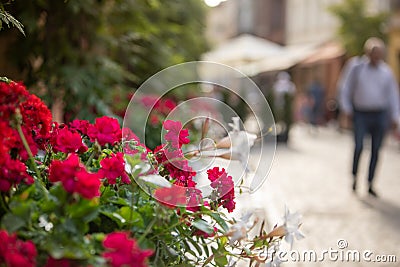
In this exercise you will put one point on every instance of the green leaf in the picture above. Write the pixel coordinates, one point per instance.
(217, 217)
(132, 217)
(12, 222)
(195, 245)
(8, 19)
(5, 79)
(206, 248)
(106, 194)
(85, 210)
(147, 244)
(119, 201)
(203, 226)
(59, 193)
(188, 248)
(221, 260)
(22, 209)
(115, 217)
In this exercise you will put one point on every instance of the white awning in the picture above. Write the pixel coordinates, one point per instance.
(253, 55)
(243, 50)
(288, 58)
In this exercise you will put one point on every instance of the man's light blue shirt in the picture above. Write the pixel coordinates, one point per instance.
(370, 88)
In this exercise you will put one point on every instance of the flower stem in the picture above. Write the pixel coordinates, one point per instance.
(28, 150)
(167, 229)
(131, 208)
(3, 203)
(32, 159)
(147, 231)
(90, 158)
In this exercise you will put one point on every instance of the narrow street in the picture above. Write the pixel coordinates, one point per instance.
(311, 175)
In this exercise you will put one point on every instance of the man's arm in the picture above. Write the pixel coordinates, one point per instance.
(347, 88)
(394, 100)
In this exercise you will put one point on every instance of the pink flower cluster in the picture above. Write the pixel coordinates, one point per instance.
(176, 136)
(159, 107)
(171, 157)
(26, 121)
(71, 172)
(18, 107)
(124, 251)
(224, 186)
(15, 252)
(176, 168)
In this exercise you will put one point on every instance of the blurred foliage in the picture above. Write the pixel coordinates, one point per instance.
(356, 25)
(89, 55)
(8, 19)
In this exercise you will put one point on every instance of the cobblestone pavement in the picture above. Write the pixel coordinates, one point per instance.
(311, 175)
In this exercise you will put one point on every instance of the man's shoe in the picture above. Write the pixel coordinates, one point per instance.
(354, 187)
(372, 192)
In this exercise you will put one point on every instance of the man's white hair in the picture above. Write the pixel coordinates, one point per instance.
(373, 43)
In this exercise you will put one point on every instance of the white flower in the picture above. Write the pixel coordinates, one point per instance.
(242, 141)
(239, 144)
(235, 125)
(291, 225)
(44, 223)
(239, 230)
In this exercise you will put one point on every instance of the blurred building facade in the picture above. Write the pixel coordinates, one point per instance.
(393, 52)
(285, 22)
(293, 24)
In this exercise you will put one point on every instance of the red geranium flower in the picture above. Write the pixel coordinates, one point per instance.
(80, 125)
(172, 196)
(176, 135)
(12, 172)
(204, 234)
(64, 140)
(15, 143)
(106, 130)
(11, 95)
(214, 173)
(224, 186)
(150, 101)
(7, 139)
(15, 252)
(128, 135)
(166, 106)
(114, 167)
(88, 184)
(228, 201)
(36, 116)
(124, 251)
(195, 199)
(74, 177)
(154, 120)
(58, 263)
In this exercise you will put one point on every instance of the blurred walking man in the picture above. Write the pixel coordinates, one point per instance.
(370, 96)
